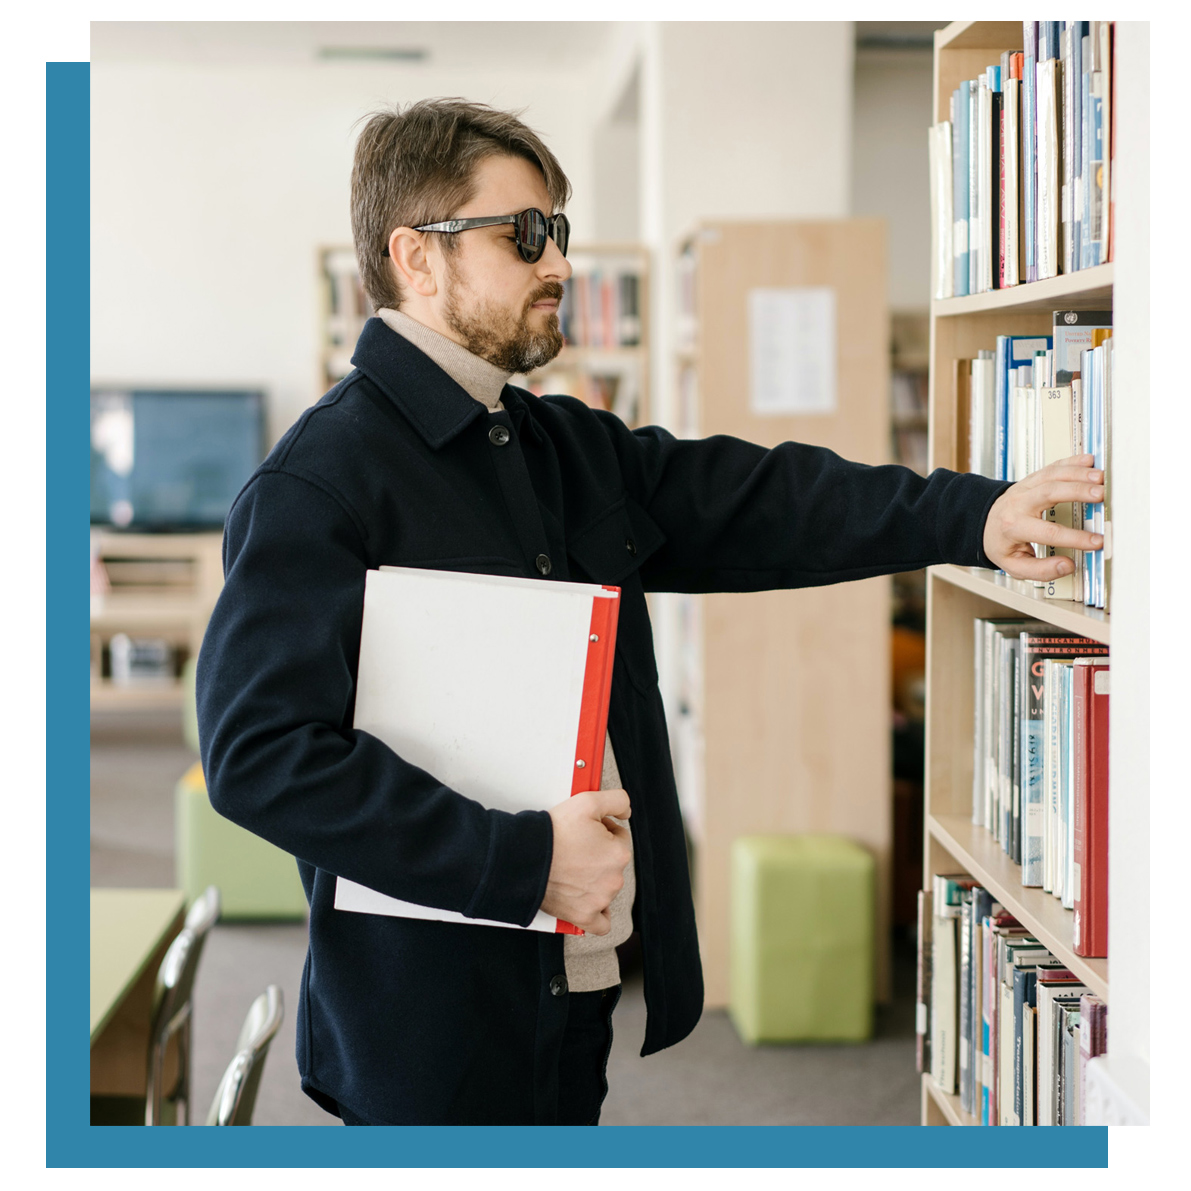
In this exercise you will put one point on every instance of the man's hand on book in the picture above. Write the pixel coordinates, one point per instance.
(591, 851)
(1015, 519)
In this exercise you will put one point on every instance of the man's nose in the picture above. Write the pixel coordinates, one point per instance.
(552, 265)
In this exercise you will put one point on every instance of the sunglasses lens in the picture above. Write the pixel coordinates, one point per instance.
(561, 233)
(531, 233)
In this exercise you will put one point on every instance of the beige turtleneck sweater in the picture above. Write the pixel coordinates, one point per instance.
(591, 961)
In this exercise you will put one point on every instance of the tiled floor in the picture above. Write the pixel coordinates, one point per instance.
(710, 1078)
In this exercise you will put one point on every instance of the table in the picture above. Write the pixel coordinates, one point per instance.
(131, 930)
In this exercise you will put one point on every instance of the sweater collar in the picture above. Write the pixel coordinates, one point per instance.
(472, 373)
(435, 404)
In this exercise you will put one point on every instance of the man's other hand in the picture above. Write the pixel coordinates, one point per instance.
(1015, 519)
(591, 851)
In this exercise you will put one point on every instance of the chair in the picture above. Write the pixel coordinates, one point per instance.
(172, 1012)
(235, 1097)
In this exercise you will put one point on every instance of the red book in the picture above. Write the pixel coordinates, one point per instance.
(1090, 805)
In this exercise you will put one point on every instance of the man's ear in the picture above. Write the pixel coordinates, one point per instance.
(415, 269)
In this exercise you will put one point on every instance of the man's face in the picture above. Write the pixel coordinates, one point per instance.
(503, 309)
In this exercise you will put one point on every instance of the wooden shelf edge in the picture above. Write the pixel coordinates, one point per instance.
(1081, 286)
(1093, 623)
(947, 1104)
(978, 854)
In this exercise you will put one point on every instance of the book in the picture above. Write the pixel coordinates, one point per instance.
(1036, 647)
(1029, 127)
(961, 140)
(1093, 1041)
(945, 982)
(1090, 810)
(1051, 991)
(1024, 988)
(1049, 159)
(1073, 330)
(923, 984)
(442, 680)
(941, 203)
(1057, 439)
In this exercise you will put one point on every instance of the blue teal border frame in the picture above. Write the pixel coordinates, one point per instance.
(70, 1141)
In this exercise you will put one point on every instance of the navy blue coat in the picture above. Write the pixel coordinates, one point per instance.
(411, 1022)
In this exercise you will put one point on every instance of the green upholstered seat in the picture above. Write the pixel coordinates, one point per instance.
(802, 947)
(255, 879)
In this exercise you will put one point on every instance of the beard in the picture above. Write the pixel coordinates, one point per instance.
(502, 338)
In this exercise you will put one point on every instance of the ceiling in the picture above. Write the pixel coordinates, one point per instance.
(537, 44)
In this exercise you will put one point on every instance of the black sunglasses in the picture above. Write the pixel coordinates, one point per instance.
(529, 227)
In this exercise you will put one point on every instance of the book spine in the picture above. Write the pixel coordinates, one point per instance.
(1081, 687)
(961, 130)
(1094, 875)
(965, 1005)
(922, 1054)
(1029, 126)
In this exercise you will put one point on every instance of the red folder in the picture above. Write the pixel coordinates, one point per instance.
(497, 686)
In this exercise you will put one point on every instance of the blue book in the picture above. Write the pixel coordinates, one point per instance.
(1012, 352)
(1076, 66)
(1025, 984)
(977, 235)
(1029, 147)
(1094, 192)
(960, 131)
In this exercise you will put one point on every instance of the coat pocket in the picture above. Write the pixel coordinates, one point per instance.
(616, 543)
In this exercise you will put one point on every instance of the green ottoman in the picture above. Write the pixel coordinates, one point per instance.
(255, 879)
(801, 960)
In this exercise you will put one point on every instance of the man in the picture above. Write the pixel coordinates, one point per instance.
(424, 456)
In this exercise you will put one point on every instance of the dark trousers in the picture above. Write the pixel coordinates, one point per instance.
(582, 1063)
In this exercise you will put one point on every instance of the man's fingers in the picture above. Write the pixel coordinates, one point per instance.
(610, 802)
(1021, 566)
(1051, 533)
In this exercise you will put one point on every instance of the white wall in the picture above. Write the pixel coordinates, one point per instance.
(890, 173)
(214, 184)
(737, 120)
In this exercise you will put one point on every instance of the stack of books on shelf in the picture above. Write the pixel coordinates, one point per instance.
(1040, 763)
(1021, 172)
(1034, 400)
(1002, 1023)
(601, 309)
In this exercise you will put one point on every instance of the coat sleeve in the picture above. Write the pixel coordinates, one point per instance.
(740, 517)
(276, 687)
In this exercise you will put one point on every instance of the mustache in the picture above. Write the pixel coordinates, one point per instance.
(550, 289)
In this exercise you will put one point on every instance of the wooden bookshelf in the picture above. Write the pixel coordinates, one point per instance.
(774, 733)
(957, 596)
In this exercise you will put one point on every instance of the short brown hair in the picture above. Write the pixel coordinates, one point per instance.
(416, 165)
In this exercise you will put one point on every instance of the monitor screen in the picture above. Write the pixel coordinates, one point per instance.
(172, 459)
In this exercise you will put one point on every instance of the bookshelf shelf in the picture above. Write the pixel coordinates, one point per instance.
(978, 35)
(1087, 289)
(976, 852)
(945, 1105)
(1025, 599)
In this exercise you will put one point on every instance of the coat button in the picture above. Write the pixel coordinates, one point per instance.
(498, 436)
(630, 546)
(558, 986)
(543, 564)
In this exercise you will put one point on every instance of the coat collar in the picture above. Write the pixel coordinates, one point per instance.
(434, 404)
